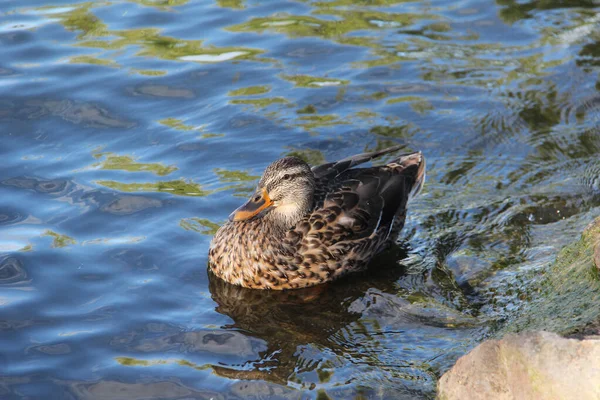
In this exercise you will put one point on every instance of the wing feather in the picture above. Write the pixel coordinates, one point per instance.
(357, 213)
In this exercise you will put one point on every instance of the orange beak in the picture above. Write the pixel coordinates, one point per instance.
(259, 203)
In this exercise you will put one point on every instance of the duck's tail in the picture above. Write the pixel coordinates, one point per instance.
(413, 167)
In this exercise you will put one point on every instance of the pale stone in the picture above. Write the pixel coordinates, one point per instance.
(532, 365)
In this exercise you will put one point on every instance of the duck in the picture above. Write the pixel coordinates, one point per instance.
(305, 226)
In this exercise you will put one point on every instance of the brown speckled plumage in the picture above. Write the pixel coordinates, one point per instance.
(323, 223)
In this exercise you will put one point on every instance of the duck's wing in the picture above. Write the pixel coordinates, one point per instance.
(358, 216)
(333, 169)
(330, 176)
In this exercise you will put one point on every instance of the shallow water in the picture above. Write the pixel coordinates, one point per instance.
(130, 129)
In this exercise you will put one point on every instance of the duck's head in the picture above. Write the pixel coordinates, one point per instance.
(283, 195)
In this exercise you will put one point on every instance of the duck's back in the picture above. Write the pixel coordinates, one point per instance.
(357, 211)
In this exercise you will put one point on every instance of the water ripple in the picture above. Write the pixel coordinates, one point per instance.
(131, 129)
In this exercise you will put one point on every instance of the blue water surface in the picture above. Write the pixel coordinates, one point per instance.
(129, 130)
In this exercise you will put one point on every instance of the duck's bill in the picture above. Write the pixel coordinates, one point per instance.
(257, 206)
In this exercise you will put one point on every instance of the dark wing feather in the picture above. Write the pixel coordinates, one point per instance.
(362, 203)
(353, 220)
(378, 194)
(332, 169)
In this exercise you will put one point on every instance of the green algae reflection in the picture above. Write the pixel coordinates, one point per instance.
(160, 3)
(257, 103)
(250, 90)
(342, 25)
(260, 103)
(309, 109)
(176, 187)
(233, 180)
(26, 248)
(226, 175)
(370, 3)
(126, 163)
(93, 60)
(235, 4)
(308, 81)
(201, 225)
(348, 21)
(311, 122)
(94, 33)
(136, 362)
(311, 156)
(241, 182)
(60, 240)
(178, 124)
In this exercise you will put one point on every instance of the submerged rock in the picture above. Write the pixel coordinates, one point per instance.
(567, 294)
(539, 364)
(533, 365)
(594, 230)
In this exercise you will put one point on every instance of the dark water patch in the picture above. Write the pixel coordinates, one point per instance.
(161, 91)
(6, 72)
(53, 349)
(122, 390)
(230, 343)
(15, 325)
(10, 216)
(130, 204)
(513, 11)
(54, 187)
(134, 259)
(76, 112)
(589, 105)
(12, 271)
(15, 38)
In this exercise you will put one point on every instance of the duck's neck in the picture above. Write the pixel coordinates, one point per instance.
(286, 216)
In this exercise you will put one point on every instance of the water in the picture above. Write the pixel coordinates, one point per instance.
(131, 129)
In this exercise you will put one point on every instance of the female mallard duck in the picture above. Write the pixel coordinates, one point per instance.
(304, 226)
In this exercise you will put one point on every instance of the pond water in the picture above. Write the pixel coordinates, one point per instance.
(129, 130)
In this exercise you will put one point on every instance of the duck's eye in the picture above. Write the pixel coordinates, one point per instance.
(287, 177)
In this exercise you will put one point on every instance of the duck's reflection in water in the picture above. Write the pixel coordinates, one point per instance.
(288, 320)
(366, 333)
